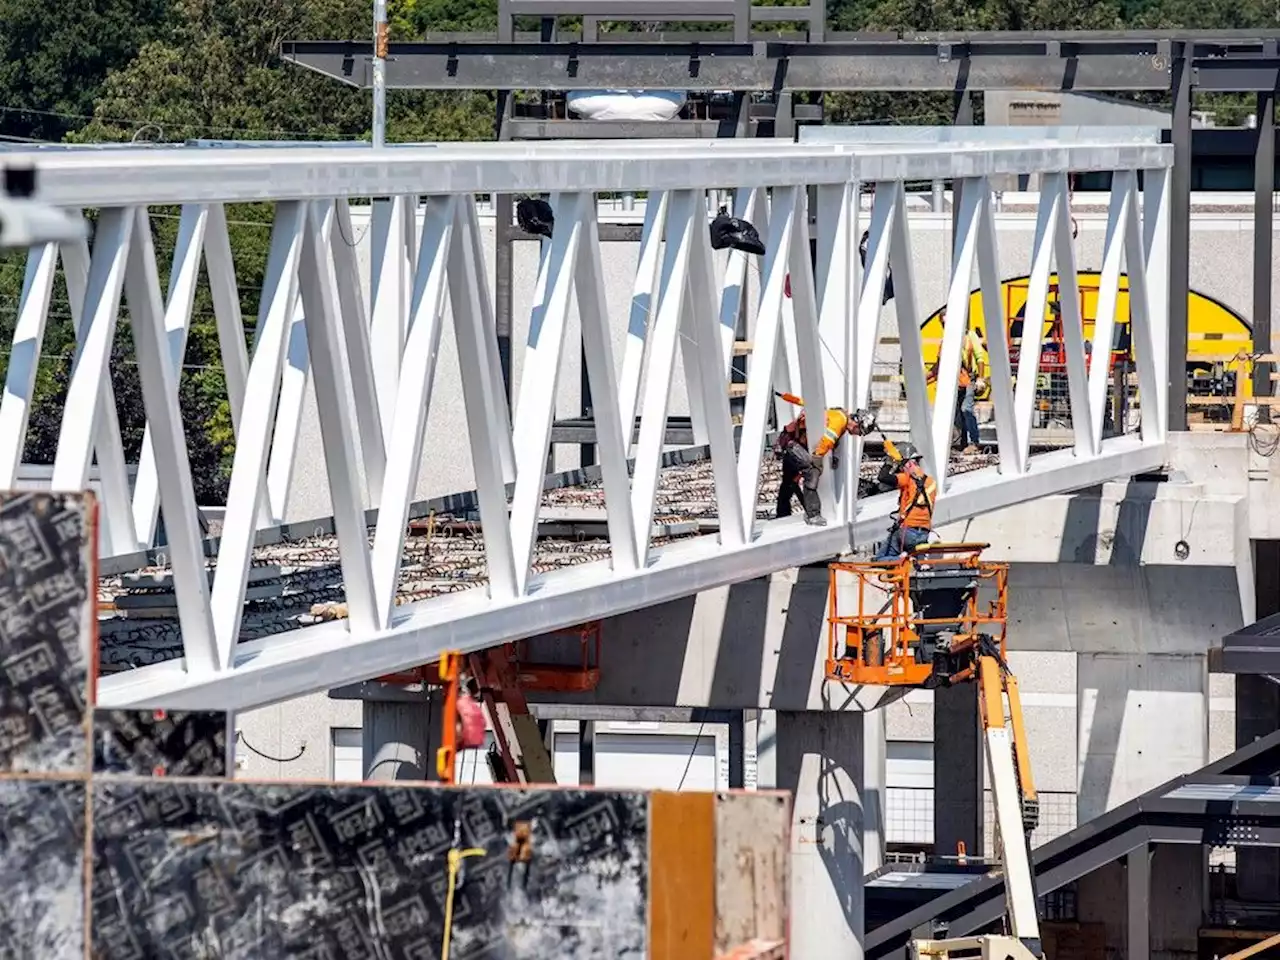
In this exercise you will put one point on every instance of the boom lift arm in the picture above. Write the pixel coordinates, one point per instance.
(920, 622)
(1013, 795)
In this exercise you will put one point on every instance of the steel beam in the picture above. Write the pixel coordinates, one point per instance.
(318, 658)
(1179, 243)
(1138, 891)
(93, 178)
(717, 63)
(583, 431)
(378, 635)
(1237, 75)
(1264, 185)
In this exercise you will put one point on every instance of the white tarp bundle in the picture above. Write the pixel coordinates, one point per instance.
(625, 104)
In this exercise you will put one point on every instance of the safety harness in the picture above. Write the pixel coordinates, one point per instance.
(921, 497)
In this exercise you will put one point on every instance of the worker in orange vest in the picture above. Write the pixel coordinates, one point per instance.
(800, 468)
(917, 494)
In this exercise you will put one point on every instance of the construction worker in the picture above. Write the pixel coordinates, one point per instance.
(792, 435)
(972, 387)
(917, 493)
(800, 468)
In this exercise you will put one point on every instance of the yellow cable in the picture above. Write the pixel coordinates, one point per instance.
(455, 864)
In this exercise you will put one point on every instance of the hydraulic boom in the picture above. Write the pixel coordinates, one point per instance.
(933, 619)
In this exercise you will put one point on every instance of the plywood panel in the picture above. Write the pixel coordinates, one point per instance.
(149, 851)
(48, 631)
(752, 852)
(282, 870)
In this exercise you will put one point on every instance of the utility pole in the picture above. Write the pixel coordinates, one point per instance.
(379, 73)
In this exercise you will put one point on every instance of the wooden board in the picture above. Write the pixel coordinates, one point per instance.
(682, 843)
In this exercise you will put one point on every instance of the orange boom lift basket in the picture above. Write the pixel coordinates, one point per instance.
(920, 621)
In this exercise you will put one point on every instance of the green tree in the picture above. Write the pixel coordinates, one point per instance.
(217, 73)
(55, 56)
(411, 19)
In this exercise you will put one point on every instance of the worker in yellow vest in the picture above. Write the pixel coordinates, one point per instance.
(800, 468)
(974, 370)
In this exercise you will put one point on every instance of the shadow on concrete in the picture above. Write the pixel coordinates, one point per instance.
(1081, 539)
(843, 817)
(803, 639)
(1134, 517)
(1081, 534)
(735, 680)
(759, 643)
(1099, 746)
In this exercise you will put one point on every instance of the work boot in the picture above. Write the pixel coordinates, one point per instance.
(971, 449)
(812, 508)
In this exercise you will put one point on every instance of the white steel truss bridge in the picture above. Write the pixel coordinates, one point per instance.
(370, 348)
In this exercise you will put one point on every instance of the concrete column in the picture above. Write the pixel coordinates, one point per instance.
(1143, 720)
(766, 737)
(750, 749)
(819, 759)
(587, 753)
(958, 765)
(737, 750)
(401, 739)
(874, 776)
(1138, 891)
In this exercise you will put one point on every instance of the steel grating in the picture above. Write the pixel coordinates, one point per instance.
(524, 561)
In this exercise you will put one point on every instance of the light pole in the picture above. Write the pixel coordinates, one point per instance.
(379, 73)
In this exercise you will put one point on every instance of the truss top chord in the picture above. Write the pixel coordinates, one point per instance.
(143, 176)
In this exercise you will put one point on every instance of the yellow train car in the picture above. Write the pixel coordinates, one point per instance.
(1215, 330)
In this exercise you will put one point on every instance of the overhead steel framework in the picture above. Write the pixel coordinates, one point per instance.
(779, 65)
(1233, 802)
(374, 376)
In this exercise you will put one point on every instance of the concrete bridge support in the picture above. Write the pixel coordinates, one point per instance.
(819, 758)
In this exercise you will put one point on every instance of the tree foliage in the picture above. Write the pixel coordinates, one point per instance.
(54, 58)
(173, 70)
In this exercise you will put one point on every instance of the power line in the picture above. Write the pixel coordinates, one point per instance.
(140, 122)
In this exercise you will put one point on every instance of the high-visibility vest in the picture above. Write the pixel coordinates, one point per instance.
(837, 423)
(974, 356)
(974, 362)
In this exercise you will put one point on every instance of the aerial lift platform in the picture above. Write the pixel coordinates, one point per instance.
(498, 678)
(935, 618)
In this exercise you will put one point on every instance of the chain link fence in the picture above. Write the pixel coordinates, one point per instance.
(1051, 421)
(909, 819)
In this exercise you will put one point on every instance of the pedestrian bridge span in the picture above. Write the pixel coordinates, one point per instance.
(371, 355)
